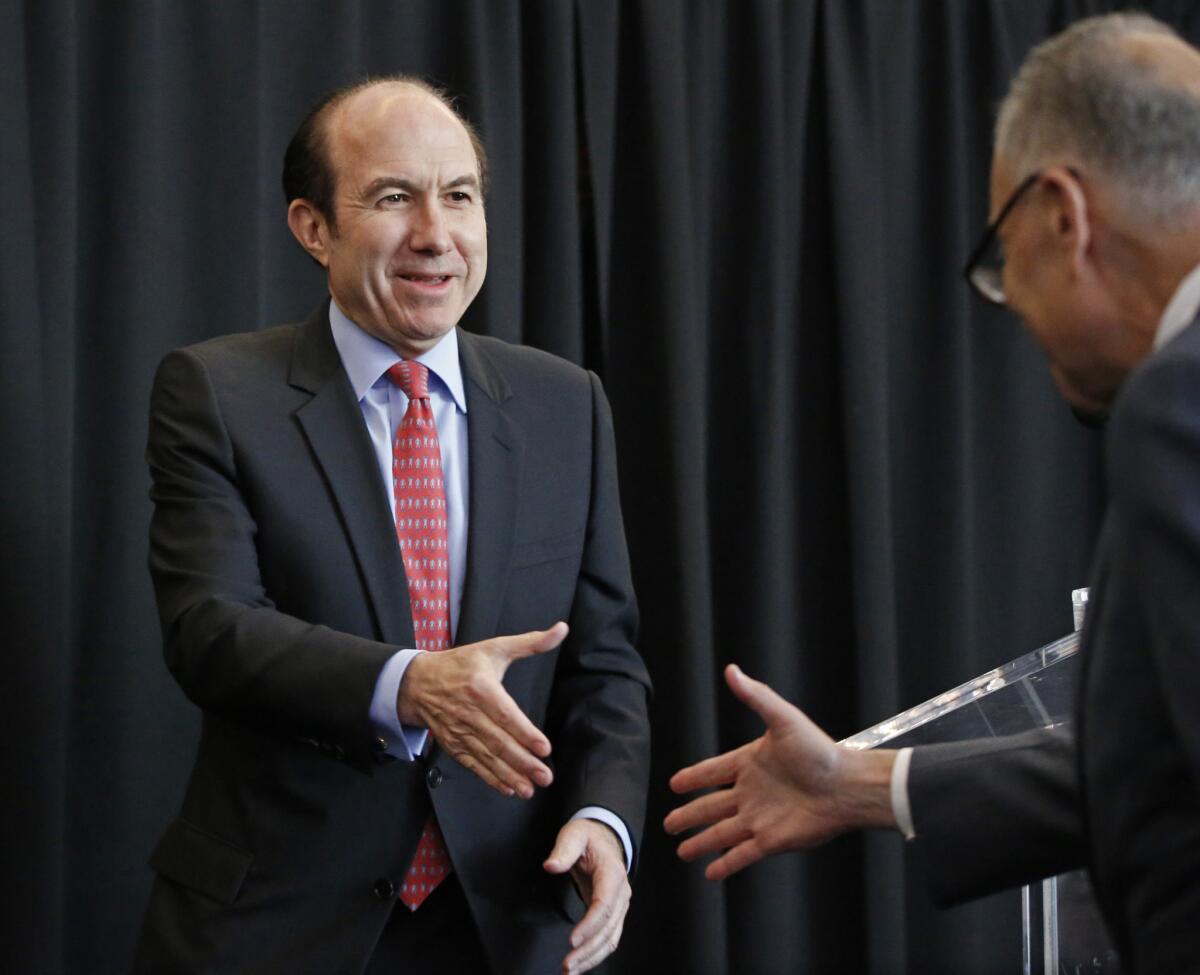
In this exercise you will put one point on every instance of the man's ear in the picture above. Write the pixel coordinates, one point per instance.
(1069, 214)
(309, 226)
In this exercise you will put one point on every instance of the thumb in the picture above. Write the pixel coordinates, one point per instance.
(568, 848)
(510, 648)
(769, 706)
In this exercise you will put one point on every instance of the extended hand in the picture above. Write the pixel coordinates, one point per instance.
(792, 788)
(596, 859)
(458, 695)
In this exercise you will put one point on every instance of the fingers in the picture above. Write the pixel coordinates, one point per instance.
(496, 703)
(701, 812)
(510, 648)
(568, 848)
(493, 770)
(598, 933)
(741, 856)
(722, 835)
(769, 706)
(501, 711)
(486, 748)
(718, 770)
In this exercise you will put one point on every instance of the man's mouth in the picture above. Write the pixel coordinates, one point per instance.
(425, 278)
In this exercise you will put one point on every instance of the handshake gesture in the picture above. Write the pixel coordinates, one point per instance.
(790, 789)
(459, 696)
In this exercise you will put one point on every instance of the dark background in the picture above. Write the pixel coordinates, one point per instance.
(838, 469)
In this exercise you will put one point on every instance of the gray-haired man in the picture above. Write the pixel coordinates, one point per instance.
(1095, 244)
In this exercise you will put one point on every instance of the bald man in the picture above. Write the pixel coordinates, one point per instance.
(391, 571)
(1095, 244)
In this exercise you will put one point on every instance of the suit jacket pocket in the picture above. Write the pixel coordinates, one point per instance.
(201, 861)
(547, 550)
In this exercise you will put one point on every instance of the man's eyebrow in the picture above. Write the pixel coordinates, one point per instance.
(467, 179)
(408, 186)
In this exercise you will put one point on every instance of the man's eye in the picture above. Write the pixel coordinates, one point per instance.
(395, 198)
(458, 196)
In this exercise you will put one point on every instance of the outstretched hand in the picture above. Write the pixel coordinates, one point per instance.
(793, 788)
(458, 695)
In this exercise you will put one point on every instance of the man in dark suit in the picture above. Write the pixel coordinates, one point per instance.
(333, 499)
(1095, 243)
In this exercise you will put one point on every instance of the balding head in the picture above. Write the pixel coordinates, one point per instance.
(1117, 97)
(308, 170)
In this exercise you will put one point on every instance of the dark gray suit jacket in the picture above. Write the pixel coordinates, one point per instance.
(1123, 796)
(282, 593)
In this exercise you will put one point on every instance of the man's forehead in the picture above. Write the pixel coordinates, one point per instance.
(398, 118)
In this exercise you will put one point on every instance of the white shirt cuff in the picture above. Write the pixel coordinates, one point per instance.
(399, 740)
(900, 807)
(610, 819)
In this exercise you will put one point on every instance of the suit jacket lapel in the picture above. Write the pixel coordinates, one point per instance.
(333, 424)
(494, 450)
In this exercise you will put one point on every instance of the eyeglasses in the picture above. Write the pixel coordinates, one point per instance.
(985, 270)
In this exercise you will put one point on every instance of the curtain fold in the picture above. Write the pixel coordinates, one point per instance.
(31, 536)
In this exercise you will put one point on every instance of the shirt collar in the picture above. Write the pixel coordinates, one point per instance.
(365, 358)
(1181, 310)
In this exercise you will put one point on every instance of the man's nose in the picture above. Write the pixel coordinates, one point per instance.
(429, 232)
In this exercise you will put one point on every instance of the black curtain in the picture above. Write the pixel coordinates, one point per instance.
(748, 217)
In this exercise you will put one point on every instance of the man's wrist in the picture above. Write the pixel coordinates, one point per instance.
(865, 791)
(406, 709)
(615, 825)
(392, 736)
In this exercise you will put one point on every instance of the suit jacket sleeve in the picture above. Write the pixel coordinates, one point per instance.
(996, 813)
(597, 717)
(231, 650)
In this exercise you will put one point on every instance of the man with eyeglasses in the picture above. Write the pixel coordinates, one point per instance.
(1095, 244)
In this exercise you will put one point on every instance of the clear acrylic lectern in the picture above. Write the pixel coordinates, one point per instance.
(1062, 932)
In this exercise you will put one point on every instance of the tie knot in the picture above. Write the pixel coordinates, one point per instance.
(412, 377)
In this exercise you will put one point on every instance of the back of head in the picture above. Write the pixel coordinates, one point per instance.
(1118, 97)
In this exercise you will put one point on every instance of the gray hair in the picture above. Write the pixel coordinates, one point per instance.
(1080, 98)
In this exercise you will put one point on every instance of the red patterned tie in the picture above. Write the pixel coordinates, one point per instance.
(421, 530)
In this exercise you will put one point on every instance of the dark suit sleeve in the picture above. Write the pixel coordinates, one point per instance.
(995, 813)
(230, 649)
(598, 718)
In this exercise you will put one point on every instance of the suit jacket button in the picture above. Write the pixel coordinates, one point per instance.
(434, 777)
(384, 889)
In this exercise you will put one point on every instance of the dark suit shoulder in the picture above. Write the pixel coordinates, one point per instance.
(240, 351)
(1152, 382)
(1153, 436)
(505, 369)
(524, 358)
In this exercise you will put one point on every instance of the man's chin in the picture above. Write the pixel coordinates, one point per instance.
(412, 342)
(1090, 410)
(1094, 419)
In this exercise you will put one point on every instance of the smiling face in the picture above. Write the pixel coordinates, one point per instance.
(410, 250)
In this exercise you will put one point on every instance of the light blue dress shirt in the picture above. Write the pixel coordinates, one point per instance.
(366, 361)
